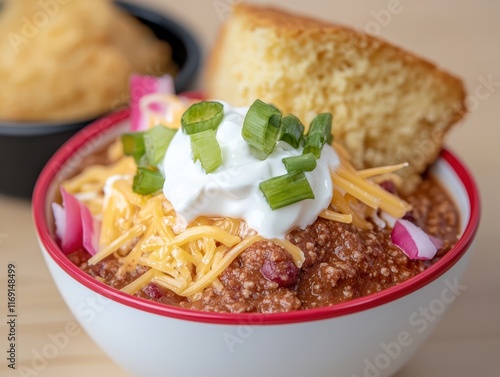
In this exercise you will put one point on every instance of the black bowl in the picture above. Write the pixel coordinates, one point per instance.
(25, 147)
(185, 49)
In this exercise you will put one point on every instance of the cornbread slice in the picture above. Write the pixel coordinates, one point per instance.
(389, 106)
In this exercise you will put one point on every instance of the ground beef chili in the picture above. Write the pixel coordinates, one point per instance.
(342, 263)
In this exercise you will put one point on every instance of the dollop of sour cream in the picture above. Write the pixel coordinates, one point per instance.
(233, 189)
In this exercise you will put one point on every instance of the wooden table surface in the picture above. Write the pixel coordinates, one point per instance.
(460, 35)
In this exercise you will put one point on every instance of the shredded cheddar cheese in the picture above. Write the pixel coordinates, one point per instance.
(335, 216)
(382, 170)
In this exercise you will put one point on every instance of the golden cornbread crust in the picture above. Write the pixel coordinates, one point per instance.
(388, 105)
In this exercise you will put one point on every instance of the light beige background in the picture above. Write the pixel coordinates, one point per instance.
(461, 35)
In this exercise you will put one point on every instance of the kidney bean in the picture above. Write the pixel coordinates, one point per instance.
(284, 273)
(153, 291)
(389, 186)
(409, 216)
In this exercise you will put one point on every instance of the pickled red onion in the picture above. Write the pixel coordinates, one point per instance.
(141, 86)
(75, 225)
(437, 242)
(90, 230)
(68, 223)
(413, 241)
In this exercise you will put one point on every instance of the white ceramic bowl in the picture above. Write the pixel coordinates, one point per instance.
(370, 336)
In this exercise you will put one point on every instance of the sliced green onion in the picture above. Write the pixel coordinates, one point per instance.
(133, 145)
(319, 133)
(202, 116)
(291, 130)
(147, 181)
(329, 139)
(261, 127)
(156, 142)
(305, 162)
(286, 189)
(205, 147)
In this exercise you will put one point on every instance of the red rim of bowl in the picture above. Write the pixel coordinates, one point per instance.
(40, 206)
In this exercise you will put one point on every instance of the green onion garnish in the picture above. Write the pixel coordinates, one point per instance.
(205, 147)
(147, 181)
(306, 162)
(202, 116)
(133, 145)
(319, 133)
(261, 127)
(286, 189)
(156, 142)
(291, 130)
(329, 139)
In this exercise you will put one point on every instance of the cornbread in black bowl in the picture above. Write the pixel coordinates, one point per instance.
(25, 146)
